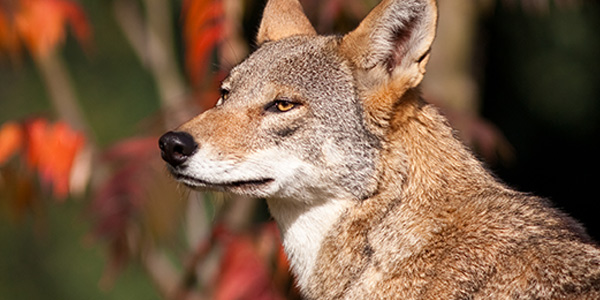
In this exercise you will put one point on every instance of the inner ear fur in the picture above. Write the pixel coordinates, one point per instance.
(388, 52)
(281, 19)
(395, 37)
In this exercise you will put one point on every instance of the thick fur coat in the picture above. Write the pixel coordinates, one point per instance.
(374, 196)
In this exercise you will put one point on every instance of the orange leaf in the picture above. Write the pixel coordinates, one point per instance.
(199, 14)
(41, 23)
(203, 30)
(199, 51)
(36, 131)
(11, 140)
(52, 149)
(9, 40)
(78, 21)
(190, 9)
(65, 144)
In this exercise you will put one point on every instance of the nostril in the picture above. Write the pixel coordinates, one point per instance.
(176, 147)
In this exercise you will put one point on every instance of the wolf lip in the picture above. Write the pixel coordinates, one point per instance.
(233, 184)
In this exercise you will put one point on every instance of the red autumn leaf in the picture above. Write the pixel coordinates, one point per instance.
(203, 30)
(11, 140)
(119, 203)
(9, 40)
(41, 23)
(199, 51)
(120, 197)
(244, 273)
(200, 13)
(36, 133)
(123, 191)
(116, 201)
(76, 17)
(51, 149)
(66, 143)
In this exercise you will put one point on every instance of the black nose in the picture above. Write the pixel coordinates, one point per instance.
(176, 147)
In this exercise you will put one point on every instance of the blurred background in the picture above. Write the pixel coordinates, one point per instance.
(88, 211)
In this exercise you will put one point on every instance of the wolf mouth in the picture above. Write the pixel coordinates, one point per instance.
(196, 182)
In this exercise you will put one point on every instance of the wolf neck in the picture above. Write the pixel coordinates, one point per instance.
(425, 175)
(303, 228)
(437, 162)
(422, 166)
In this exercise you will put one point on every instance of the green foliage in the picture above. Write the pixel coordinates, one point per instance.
(49, 258)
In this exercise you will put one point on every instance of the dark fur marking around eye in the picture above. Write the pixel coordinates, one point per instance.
(285, 132)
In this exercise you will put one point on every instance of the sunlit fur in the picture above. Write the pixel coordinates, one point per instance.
(374, 196)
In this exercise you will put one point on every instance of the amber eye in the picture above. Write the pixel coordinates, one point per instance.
(284, 106)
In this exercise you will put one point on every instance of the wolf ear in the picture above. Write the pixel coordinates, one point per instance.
(397, 36)
(281, 19)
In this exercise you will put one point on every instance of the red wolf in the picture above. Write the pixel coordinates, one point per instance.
(374, 196)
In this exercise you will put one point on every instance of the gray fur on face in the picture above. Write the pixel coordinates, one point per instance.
(332, 132)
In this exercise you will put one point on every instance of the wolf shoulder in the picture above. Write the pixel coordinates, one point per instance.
(506, 245)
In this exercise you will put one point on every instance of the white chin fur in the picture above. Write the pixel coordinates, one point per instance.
(287, 176)
(304, 227)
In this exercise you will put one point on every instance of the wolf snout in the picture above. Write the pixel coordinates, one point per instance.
(176, 147)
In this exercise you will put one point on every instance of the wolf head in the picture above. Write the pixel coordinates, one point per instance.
(305, 117)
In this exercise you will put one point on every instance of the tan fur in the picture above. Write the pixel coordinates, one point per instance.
(375, 197)
(460, 230)
(229, 133)
(283, 19)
